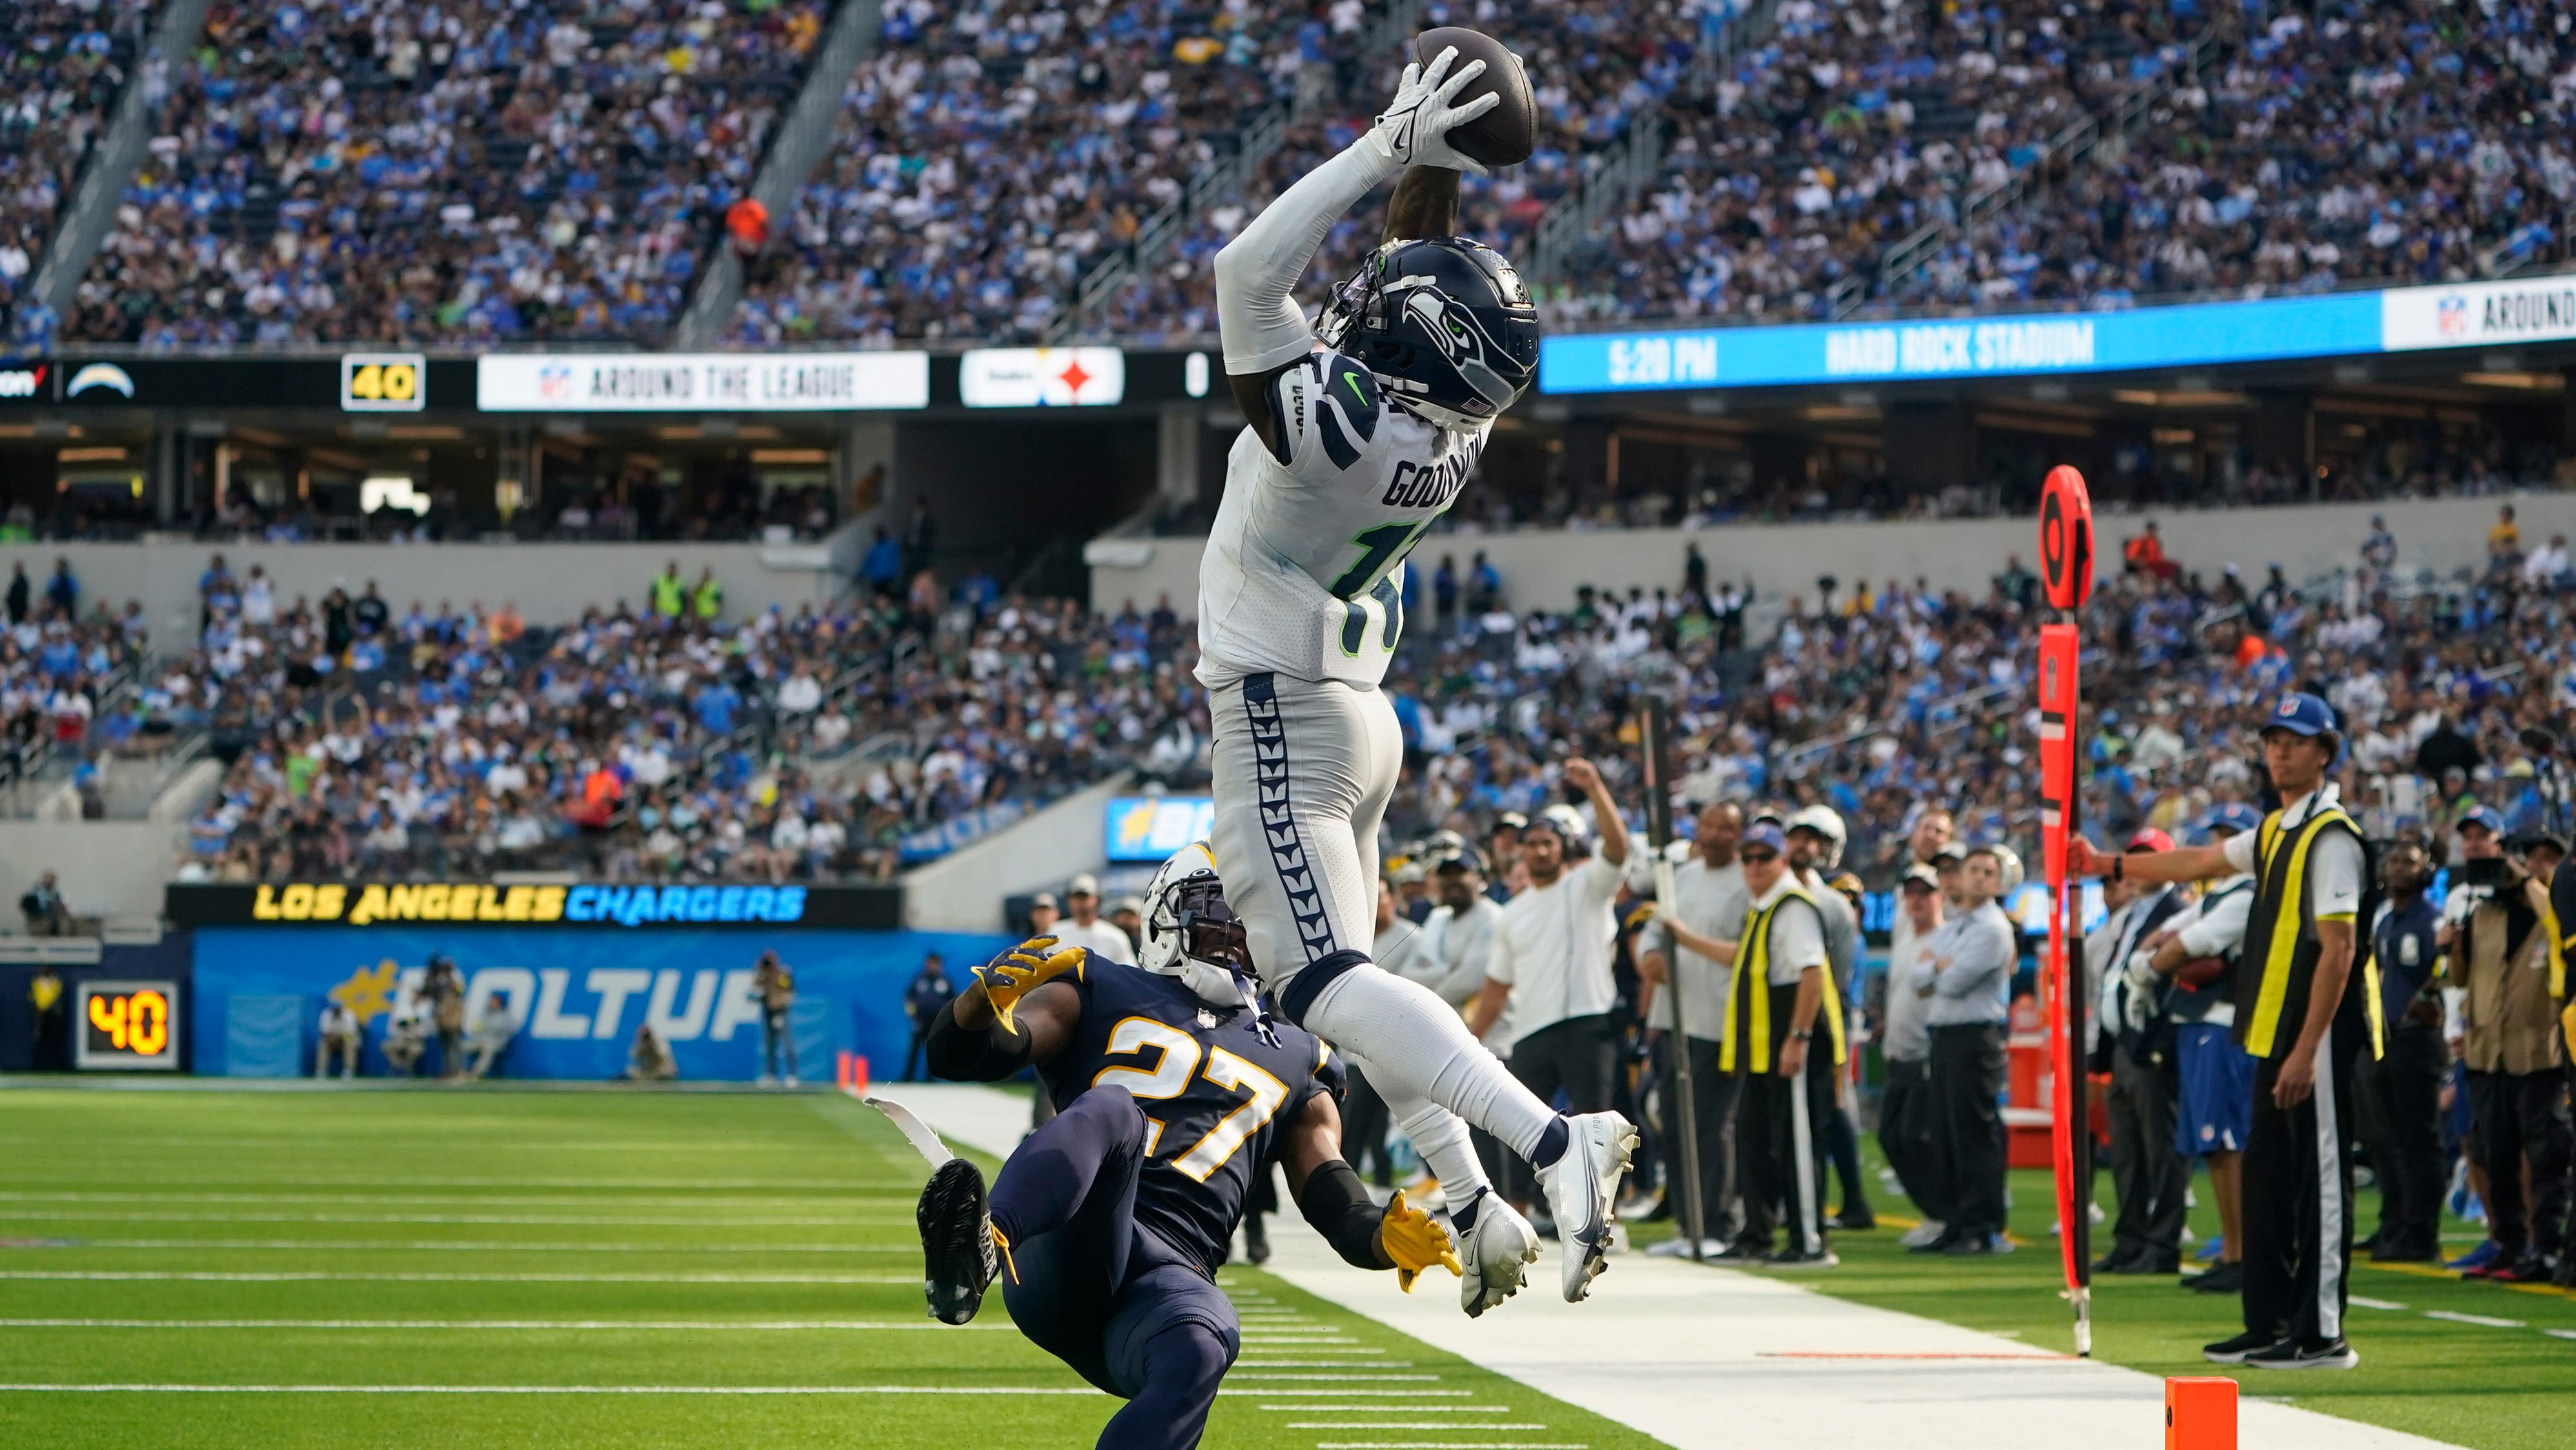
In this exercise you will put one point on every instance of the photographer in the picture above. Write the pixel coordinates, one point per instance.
(2513, 1051)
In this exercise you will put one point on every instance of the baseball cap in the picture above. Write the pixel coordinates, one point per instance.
(1766, 835)
(1083, 884)
(1045, 899)
(2234, 816)
(2301, 713)
(1511, 821)
(1465, 858)
(1409, 873)
(2151, 839)
(1920, 875)
(1949, 851)
(2484, 819)
(1135, 904)
(1849, 885)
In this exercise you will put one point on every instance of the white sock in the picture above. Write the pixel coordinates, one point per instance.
(1402, 1029)
(1435, 1132)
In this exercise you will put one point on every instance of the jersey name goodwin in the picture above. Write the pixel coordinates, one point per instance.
(1305, 568)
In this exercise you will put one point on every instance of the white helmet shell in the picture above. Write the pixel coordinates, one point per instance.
(1827, 822)
(1183, 885)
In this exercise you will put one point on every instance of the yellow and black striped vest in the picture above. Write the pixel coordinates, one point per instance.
(1757, 1012)
(2279, 958)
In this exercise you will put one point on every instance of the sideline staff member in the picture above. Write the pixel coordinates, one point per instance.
(2300, 1013)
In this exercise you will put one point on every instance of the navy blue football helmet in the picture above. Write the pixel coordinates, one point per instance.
(1444, 323)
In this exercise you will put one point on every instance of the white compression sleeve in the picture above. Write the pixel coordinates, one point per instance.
(1256, 274)
(1435, 1132)
(1401, 1029)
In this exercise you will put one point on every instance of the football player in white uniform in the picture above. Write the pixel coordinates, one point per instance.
(1358, 433)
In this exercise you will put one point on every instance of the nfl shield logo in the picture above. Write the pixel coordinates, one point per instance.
(2454, 318)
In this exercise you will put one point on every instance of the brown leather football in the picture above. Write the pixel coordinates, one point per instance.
(1507, 134)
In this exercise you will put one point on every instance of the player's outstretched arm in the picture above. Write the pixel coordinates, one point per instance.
(1334, 1200)
(981, 1039)
(1257, 316)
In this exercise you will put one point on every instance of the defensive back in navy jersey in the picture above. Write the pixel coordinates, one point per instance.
(1216, 1093)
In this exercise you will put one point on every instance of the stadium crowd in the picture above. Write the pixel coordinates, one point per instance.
(68, 62)
(468, 174)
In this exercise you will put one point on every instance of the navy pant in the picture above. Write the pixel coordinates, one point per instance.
(1090, 1286)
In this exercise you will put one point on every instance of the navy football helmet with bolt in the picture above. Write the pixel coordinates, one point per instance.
(1444, 323)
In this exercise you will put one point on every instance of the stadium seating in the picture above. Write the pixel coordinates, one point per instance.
(478, 173)
(67, 63)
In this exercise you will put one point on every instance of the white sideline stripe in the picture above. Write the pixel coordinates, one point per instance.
(1350, 1349)
(2488, 1320)
(2560, 1333)
(2358, 1302)
(552, 1219)
(1451, 1445)
(298, 1276)
(585, 1325)
(799, 1187)
(477, 1245)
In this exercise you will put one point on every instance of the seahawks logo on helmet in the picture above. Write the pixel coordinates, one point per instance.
(1445, 325)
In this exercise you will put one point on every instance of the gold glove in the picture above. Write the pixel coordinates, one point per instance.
(1415, 1241)
(1023, 969)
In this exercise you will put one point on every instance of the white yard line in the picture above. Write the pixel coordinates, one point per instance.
(324, 1275)
(740, 1326)
(1694, 1356)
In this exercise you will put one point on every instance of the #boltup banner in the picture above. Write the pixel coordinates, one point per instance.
(576, 994)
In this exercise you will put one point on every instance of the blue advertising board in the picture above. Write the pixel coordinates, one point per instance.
(1152, 827)
(577, 994)
(2192, 335)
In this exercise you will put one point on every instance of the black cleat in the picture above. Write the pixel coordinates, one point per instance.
(957, 1242)
(2242, 1347)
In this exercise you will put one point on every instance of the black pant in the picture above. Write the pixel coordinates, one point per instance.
(2516, 1114)
(2398, 1103)
(2298, 1201)
(2149, 1175)
(1769, 1145)
(1908, 1132)
(1842, 1145)
(1576, 1054)
(1713, 1109)
(1967, 1086)
(915, 1055)
(773, 1036)
(1364, 1129)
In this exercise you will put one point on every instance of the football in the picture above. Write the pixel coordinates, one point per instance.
(1507, 134)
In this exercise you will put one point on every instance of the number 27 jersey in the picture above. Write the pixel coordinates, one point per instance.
(1304, 574)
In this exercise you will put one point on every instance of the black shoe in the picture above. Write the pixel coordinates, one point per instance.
(2406, 1251)
(957, 1241)
(1798, 1259)
(2234, 1351)
(1860, 1222)
(1662, 1212)
(2118, 1261)
(2304, 1354)
(1940, 1245)
(2155, 1263)
(1256, 1241)
(2222, 1279)
(1968, 1246)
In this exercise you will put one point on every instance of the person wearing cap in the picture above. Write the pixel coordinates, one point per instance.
(1550, 957)
(1413, 893)
(2303, 1011)
(1458, 937)
(2133, 1045)
(2213, 1077)
(1972, 961)
(1709, 901)
(1127, 914)
(1083, 926)
(2398, 1096)
(1816, 837)
(1503, 853)
(929, 995)
(1043, 914)
(1925, 844)
(2515, 1057)
(1768, 1042)
(1908, 1127)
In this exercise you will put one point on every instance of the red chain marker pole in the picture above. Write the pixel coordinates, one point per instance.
(2066, 576)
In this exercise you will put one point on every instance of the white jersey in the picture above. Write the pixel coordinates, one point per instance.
(1304, 574)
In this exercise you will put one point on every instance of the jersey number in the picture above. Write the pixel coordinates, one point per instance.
(1381, 549)
(1178, 1057)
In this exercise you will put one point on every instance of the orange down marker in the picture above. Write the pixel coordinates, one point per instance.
(2200, 1413)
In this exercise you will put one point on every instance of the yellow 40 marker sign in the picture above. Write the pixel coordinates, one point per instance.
(128, 1024)
(383, 382)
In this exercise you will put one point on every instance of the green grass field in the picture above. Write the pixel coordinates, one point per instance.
(2493, 1386)
(682, 1243)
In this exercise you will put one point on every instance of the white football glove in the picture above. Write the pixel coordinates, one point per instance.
(1414, 130)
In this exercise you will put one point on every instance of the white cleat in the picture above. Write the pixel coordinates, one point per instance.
(1582, 1188)
(1496, 1255)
